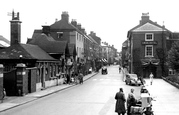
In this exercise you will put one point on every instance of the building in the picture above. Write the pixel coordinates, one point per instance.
(27, 67)
(146, 48)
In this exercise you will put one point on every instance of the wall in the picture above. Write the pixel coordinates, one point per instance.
(138, 38)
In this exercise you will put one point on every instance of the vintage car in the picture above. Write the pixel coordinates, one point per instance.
(104, 70)
(132, 79)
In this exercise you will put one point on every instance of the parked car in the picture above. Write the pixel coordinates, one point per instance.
(104, 70)
(132, 79)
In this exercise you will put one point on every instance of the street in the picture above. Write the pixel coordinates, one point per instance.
(96, 97)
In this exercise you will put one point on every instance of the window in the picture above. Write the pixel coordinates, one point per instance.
(149, 37)
(149, 51)
(59, 35)
(171, 72)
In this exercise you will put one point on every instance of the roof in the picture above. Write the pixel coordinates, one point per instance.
(91, 38)
(4, 42)
(64, 25)
(72, 49)
(147, 26)
(48, 44)
(27, 51)
(125, 43)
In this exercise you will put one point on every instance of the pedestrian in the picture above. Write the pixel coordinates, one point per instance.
(120, 102)
(141, 79)
(131, 101)
(119, 69)
(151, 78)
(81, 78)
(68, 79)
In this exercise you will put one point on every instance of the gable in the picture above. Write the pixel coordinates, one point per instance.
(148, 27)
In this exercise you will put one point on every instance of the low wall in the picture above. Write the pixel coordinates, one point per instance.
(53, 82)
(38, 86)
(172, 83)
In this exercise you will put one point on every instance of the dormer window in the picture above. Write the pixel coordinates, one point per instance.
(149, 37)
(59, 35)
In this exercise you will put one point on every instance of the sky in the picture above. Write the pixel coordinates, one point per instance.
(109, 19)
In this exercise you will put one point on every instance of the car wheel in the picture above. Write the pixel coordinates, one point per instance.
(130, 83)
(126, 82)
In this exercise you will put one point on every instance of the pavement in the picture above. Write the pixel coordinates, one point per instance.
(165, 97)
(14, 101)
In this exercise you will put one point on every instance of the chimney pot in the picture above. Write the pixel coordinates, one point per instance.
(74, 22)
(79, 26)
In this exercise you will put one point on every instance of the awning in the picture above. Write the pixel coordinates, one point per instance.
(104, 60)
(150, 61)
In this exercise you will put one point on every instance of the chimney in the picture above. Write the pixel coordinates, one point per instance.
(74, 22)
(144, 18)
(15, 28)
(65, 16)
(92, 33)
(79, 26)
(83, 30)
(46, 30)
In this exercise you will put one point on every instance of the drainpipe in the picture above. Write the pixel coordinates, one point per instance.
(43, 75)
(131, 55)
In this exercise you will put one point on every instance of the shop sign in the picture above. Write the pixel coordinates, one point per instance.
(149, 43)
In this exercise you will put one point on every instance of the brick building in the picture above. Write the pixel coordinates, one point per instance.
(147, 47)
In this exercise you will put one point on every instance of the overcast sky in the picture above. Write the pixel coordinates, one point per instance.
(109, 19)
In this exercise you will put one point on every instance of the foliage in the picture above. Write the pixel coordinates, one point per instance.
(137, 62)
(162, 56)
(174, 79)
(173, 56)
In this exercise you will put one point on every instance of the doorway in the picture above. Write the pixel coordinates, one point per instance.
(149, 69)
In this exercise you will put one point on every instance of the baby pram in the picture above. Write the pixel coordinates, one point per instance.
(143, 106)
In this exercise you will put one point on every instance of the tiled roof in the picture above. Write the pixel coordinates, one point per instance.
(26, 50)
(48, 44)
(62, 25)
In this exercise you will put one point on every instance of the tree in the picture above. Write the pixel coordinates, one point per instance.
(173, 56)
(162, 56)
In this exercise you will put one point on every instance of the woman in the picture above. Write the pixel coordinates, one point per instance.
(120, 102)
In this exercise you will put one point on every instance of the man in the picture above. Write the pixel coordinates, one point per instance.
(131, 101)
(151, 78)
(120, 102)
